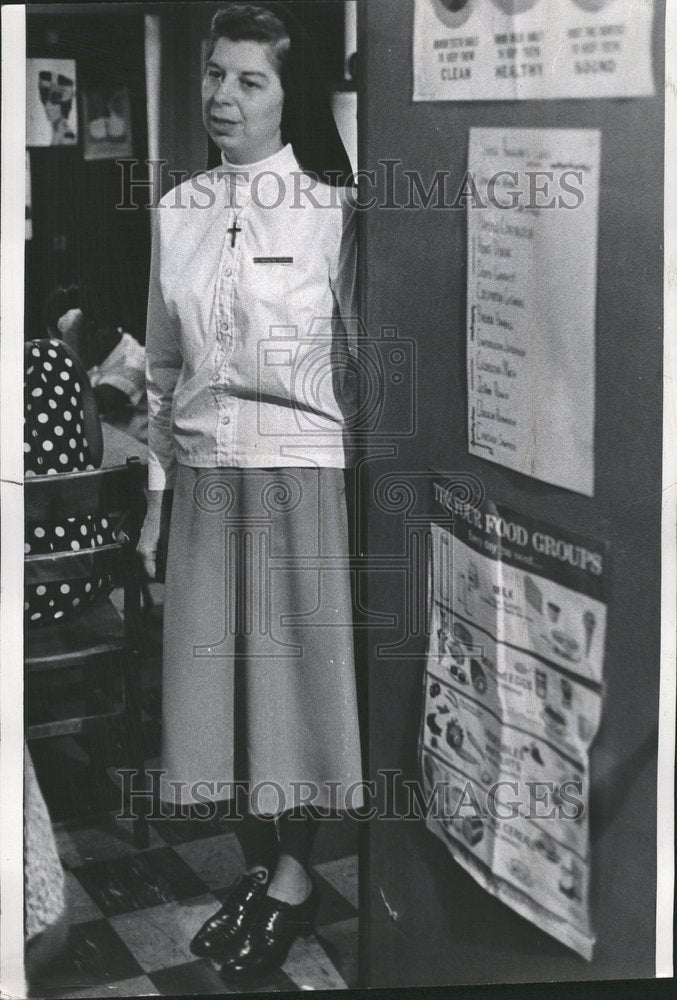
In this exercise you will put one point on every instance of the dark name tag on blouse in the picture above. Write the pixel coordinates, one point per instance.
(273, 260)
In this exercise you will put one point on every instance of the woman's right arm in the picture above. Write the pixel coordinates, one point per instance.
(154, 535)
(163, 366)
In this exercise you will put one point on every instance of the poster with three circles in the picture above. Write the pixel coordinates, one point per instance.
(496, 50)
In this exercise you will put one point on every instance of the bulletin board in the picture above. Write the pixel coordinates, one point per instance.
(428, 922)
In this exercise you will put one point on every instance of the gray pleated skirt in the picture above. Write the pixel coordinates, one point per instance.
(258, 667)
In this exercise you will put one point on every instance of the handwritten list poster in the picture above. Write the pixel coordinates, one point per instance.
(491, 50)
(532, 277)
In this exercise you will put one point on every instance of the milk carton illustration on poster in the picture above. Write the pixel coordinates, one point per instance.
(512, 703)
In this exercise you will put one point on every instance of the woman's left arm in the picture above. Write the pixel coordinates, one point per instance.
(343, 279)
(343, 273)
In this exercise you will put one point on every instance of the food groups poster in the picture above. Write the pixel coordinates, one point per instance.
(532, 286)
(490, 50)
(512, 703)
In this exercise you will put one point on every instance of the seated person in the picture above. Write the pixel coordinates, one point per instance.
(62, 433)
(114, 359)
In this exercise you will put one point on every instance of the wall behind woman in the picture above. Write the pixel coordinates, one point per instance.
(429, 922)
(78, 233)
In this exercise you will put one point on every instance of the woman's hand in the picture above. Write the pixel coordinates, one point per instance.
(154, 535)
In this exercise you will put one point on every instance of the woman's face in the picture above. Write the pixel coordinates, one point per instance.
(242, 100)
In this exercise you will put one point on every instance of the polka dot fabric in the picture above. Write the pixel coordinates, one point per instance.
(54, 442)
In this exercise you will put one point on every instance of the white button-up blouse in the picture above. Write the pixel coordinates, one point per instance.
(251, 336)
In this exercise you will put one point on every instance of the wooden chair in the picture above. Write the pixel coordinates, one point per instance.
(96, 641)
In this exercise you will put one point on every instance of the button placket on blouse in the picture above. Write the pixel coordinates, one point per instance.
(225, 431)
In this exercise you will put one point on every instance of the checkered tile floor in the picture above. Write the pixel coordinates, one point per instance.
(134, 912)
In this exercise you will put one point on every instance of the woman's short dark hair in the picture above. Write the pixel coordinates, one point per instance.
(307, 119)
(250, 22)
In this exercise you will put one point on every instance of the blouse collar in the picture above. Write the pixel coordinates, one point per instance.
(244, 174)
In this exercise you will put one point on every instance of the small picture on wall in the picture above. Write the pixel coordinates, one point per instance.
(51, 108)
(107, 129)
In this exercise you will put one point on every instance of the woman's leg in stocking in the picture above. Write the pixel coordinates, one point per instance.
(258, 840)
(291, 882)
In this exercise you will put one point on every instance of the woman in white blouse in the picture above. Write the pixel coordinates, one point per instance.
(250, 370)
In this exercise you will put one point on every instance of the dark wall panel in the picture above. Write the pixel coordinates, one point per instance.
(429, 923)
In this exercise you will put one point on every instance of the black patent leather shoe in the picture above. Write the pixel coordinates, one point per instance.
(217, 933)
(268, 935)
